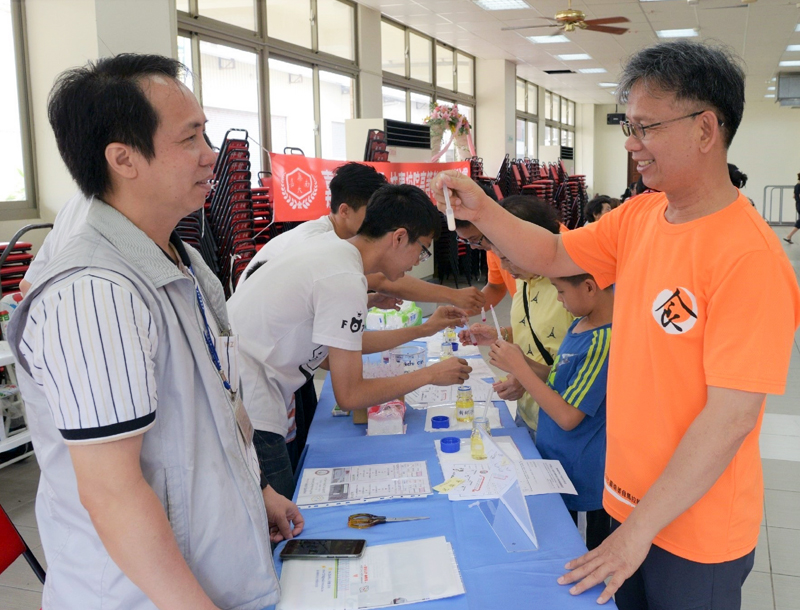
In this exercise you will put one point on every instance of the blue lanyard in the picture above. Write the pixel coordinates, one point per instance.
(207, 334)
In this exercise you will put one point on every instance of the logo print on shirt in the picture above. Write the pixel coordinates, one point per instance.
(675, 310)
(356, 324)
(552, 333)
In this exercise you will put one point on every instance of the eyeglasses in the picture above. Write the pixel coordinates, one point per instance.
(474, 244)
(424, 254)
(638, 131)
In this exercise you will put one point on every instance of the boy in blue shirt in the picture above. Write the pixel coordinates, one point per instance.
(572, 397)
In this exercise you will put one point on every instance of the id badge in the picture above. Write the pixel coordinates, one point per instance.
(243, 420)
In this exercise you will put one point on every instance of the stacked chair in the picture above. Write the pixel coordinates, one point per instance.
(375, 149)
(15, 265)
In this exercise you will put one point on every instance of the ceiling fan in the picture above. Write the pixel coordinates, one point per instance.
(570, 18)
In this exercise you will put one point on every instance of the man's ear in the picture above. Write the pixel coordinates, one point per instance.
(344, 209)
(399, 237)
(122, 160)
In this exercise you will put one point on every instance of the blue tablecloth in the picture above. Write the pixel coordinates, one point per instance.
(493, 578)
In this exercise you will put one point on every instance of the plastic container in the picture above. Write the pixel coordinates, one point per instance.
(408, 358)
(476, 446)
(465, 406)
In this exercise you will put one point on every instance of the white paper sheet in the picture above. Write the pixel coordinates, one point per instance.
(386, 575)
(434, 345)
(450, 411)
(355, 484)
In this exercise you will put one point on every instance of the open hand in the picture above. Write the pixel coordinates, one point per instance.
(507, 356)
(283, 516)
(443, 317)
(469, 299)
(619, 556)
(452, 371)
(484, 335)
(383, 301)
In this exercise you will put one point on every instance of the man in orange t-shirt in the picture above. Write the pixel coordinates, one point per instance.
(706, 307)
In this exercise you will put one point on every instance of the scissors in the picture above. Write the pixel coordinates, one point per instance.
(364, 520)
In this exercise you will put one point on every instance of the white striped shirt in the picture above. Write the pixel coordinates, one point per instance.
(90, 342)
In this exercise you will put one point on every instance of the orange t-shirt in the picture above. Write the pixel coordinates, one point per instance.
(498, 275)
(711, 302)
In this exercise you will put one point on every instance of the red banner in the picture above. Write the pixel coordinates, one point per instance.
(301, 185)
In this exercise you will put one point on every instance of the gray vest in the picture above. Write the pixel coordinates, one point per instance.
(190, 457)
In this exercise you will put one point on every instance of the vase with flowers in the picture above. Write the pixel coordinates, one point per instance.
(446, 118)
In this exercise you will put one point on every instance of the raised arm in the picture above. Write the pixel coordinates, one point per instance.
(410, 288)
(525, 244)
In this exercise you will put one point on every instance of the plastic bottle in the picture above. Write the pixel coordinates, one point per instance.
(465, 406)
(477, 449)
(447, 349)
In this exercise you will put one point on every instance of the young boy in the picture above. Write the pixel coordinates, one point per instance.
(572, 397)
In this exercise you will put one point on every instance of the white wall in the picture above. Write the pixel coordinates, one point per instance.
(766, 149)
(370, 78)
(610, 156)
(584, 143)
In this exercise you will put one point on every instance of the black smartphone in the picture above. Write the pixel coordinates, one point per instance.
(309, 548)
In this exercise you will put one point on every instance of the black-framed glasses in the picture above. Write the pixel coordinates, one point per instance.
(469, 242)
(638, 131)
(424, 254)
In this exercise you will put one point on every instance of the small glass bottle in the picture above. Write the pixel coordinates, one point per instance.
(477, 449)
(447, 350)
(465, 406)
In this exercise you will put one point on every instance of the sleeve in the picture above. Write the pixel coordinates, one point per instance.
(340, 310)
(751, 320)
(39, 261)
(92, 345)
(493, 264)
(586, 390)
(594, 247)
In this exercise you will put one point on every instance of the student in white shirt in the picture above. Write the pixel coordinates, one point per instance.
(311, 304)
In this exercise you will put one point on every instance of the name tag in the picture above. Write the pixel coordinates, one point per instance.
(243, 420)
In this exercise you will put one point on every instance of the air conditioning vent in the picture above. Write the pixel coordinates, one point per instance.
(567, 152)
(789, 88)
(409, 135)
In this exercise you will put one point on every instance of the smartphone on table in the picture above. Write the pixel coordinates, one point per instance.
(317, 548)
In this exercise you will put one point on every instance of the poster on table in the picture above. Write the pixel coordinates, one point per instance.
(301, 185)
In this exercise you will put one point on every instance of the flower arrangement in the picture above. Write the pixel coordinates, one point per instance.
(445, 116)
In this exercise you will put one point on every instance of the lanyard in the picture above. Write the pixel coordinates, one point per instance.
(212, 350)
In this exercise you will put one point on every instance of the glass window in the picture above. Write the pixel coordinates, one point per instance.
(571, 114)
(564, 111)
(420, 57)
(570, 139)
(564, 137)
(335, 29)
(394, 103)
(533, 99)
(465, 74)
(520, 138)
(420, 106)
(336, 103)
(520, 97)
(444, 67)
(182, 5)
(12, 158)
(548, 99)
(556, 111)
(533, 148)
(185, 57)
(291, 102)
(469, 112)
(393, 49)
(290, 21)
(236, 12)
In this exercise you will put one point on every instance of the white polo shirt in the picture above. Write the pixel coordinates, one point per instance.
(287, 314)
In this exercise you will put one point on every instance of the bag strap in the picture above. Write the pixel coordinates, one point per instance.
(548, 359)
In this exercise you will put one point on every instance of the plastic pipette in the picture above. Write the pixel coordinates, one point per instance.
(483, 314)
(451, 217)
(496, 324)
(471, 334)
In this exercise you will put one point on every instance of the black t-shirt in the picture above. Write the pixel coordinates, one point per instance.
(797, 195)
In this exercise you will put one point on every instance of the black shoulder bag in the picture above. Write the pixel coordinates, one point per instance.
(548, 359)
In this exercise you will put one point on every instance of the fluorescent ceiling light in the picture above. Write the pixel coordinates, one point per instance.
(501, 5)
(793, 47)
(685, 33)
(548, 39)
(592, 70)
(770, 88)
(790, 63)
(770, 95)
(608, 84)
(651, 0)
(797, 28)
(574, 57)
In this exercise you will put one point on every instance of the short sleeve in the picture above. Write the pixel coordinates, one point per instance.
(586, 390)
(91, 345)
(594, 247)
(751, 320)
(340, 310)
(493, 276)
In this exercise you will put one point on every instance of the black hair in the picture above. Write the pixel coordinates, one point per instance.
(577, 280)
(532, 209)
(400, 206)
(353, 184)
(103, 102)
(489, 192)
(738, 177)
(711, 76)
(594, 206)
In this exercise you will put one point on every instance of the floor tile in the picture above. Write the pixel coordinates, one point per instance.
(20, 576)
(783, 405)
(762, 552)
(775, 447)
(781, 425)
(780, 474)
(784, 551)
(757, 592)
(20, 599)
(783, 508)
(787, 592)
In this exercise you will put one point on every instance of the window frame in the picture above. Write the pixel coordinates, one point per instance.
(527, 117)
(22, 209)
